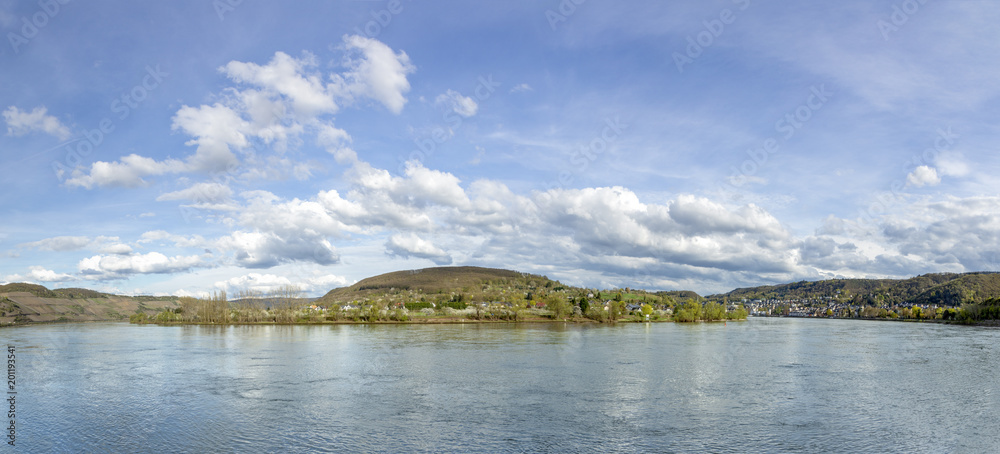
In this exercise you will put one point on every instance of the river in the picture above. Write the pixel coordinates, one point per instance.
(764, 385)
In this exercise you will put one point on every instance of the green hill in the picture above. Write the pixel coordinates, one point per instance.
(680, 296)
(471, 281)
(22, 287)
(942, 289)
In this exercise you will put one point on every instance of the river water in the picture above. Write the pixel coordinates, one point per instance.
(764, 385)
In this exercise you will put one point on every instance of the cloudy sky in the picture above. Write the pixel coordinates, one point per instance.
(190, 146)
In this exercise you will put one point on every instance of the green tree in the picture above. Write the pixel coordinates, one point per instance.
(558, 306)
(688, 312)
(713, 311)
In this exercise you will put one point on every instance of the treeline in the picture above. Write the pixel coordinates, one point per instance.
(284, 305)
(281, 305)
(940, 289)
(693, 311)
(977, 312)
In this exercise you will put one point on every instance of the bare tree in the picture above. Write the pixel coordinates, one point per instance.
(284, 301)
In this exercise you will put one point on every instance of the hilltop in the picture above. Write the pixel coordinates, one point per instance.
(30, 303)
(441, 281)
(948, 289)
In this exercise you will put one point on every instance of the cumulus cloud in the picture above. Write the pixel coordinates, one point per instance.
(21, 122)
(104, 244)
(40, 274)
(216, 131)
(265, 283)
(376, 72)
(200, 193)
(413, 246)
(292, 78)
(116, 248)
(60, 243)
(265, 250)
(128, 172)
(274, 103)
(111, 267)
(923, 176)
(462, 105)
(606, 229)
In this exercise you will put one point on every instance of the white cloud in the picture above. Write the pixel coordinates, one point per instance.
(128, 172)
(269, 282)
(253, 281)
(276, 103)
(265, 250)
(462, 105)
(40, 274)
(200, 193)
(923, 176)
(102, 244)
(21, 122)
(378, 73)
(290, 78)
(521, 88)
(216, 130)
(413, 246)
(60, 243)
(194, 241)
(117, 248)
(952, 164)
(110, 267)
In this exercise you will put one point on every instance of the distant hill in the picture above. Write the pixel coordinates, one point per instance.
(30, 303)
(680, 296)
(440, 280)
(948, 289)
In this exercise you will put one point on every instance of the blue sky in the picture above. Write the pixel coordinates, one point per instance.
(191, 146)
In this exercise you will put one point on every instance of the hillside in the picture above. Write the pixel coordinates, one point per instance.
(29, 303)
(680, 296)
(942, 289)
(470, 281)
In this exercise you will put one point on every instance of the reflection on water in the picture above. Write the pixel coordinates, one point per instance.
(760, 385)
